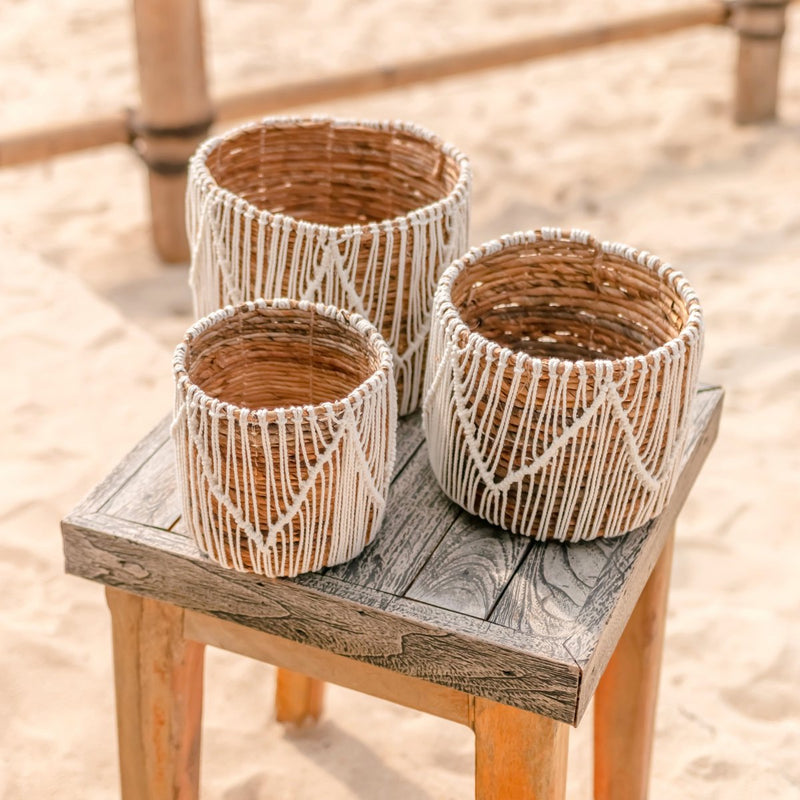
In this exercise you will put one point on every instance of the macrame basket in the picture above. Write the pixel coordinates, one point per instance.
(361, 215)
(560, 377)
(284, 428)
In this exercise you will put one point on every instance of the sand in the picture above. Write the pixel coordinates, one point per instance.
(634, 143)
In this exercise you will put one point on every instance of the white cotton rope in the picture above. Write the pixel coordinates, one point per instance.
(483, 399)
(241, 252)
(280, 491)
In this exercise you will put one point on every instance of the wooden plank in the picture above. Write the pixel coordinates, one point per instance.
(445, 620)
(441, 647)
(409, 439)
(541, 684)
(417, 516)
(127, 467)
(151, 496)
(547, 593)
(518, 755)
(469, 569)
(323, 665)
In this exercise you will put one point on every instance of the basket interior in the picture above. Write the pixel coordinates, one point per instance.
(274, 357)
(566, 300)
(333, 174)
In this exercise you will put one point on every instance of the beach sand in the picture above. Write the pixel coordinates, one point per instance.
(634, 143)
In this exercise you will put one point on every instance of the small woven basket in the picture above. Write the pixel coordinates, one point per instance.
(361, 215)
(284, 428)
(559, 383)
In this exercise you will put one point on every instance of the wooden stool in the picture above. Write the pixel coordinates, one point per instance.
(442, 613)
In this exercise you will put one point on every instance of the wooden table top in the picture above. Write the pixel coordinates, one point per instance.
(439, 595)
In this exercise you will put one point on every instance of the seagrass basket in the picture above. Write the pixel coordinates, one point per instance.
(362, 215)
(560, 377)
(284, 429)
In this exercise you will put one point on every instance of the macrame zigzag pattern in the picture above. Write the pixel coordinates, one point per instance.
(558, 484)
(334, 491)
(322, 263)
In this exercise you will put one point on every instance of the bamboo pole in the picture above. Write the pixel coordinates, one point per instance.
(175, 113)
(37, 145)
(26, 147)
(760, 25)
(531, 48)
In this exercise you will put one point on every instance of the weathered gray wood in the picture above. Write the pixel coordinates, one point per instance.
(470, 567)
(417, 516)
(547, 593)
(409, 440)
(583, 593)
(452, 650)
(542, 648)
(151, 496)
(122, 473)
(448, 621)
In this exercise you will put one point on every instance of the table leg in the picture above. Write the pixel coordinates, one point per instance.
(159, 689)
(297, 697)
(625, 700)
(519, 755)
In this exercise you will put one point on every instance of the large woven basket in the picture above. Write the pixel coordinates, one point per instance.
(361, 215)
(559, 382)
(285, 434)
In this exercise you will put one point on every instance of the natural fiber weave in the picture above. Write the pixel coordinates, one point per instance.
(362, 215)
(559, 382)
(285, 434)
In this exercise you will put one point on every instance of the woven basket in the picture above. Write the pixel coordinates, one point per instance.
(559, 381)
(361, 215)
(285, 434)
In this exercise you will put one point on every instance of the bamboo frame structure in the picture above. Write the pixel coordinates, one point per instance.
(176, 111)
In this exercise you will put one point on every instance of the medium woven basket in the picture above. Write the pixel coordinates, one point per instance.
(284, 428)
(559, 383)
(361, 215)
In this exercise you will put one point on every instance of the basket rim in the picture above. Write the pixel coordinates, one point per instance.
(200, 173)
(195, 395)
(445, 310)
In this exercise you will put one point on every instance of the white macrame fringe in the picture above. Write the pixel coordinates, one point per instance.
(353, 449)
(322, 261)
(619, 470)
